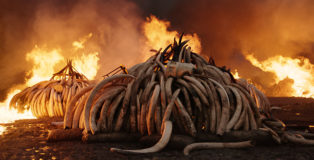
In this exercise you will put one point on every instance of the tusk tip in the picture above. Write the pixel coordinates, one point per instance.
(113, 149)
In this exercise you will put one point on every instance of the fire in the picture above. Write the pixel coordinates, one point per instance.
(80, 44)
(236, 74)
(158, 35)
(300, 70)
(87, 64)
(9, 115)
(45, 63)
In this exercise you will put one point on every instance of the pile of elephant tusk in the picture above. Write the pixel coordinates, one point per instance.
(49, 98)
(177, 96)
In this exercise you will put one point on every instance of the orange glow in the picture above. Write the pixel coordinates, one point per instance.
(9, 115)
(80, 43)
(236, 74)
(2, 129)
(158, 35)
(45, 63)
(87, 64)
(300, 70)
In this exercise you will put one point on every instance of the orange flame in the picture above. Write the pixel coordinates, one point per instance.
(236, 74)
(87, 64)
(8, 115)
(45, 63)
(158, 35)
(300, 70)
(80, 44)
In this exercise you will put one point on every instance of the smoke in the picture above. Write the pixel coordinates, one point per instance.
(230, 29)
(15, 26)
(114, 24)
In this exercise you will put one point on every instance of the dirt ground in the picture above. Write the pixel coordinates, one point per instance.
(26, 139)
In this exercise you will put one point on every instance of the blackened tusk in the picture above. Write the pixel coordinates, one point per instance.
(181, 36)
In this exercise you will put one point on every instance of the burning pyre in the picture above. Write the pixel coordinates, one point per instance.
(175, 92)
(49, 98)
(179, 86)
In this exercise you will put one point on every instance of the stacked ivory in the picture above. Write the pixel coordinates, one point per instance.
(179, 95)
(175, 85)
(49, 98)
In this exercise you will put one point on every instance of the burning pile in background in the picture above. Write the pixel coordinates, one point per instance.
(49, 98)
(45, 62)
(298, 72)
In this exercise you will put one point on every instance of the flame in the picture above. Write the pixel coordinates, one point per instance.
(236, 74)
(80, 43)
(2, 129)
(8, 115)
(158, 35)
(300, 70)
(87, 64)
(45, 63)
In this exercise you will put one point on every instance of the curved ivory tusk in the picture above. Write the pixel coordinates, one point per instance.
(210, 145)
(225, 112)
(125, 105)
(251, 103)
(196, 82)
(78, 111)
(221, 73)
(169, 108)
(151, 110)
(187, 121)
(110, 92)
(181, 53)
(238, 110)
(162, 143)
(90, 99)
(162, 67)
(70, 107)
(298, 140)
(225, 108)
